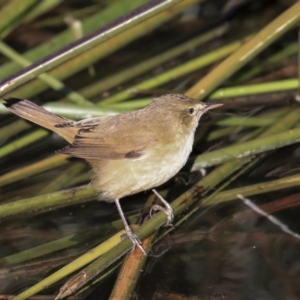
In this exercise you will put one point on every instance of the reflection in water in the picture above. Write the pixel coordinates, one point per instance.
(221, 258)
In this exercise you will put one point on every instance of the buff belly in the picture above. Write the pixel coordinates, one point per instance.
(119, 178)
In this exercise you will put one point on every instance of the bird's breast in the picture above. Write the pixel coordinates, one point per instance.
(119, 178)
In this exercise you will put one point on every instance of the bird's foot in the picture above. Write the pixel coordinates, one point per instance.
(135, 240)
(168, 210)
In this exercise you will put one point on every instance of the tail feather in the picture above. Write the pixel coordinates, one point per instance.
(37, 114)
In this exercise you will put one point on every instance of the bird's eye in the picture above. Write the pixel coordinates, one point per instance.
(191, 111)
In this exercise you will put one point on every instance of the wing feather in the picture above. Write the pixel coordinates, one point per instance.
(107, 138)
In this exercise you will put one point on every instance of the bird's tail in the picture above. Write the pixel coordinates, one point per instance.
(37, 114)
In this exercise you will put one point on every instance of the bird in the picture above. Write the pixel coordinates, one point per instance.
(128, 152)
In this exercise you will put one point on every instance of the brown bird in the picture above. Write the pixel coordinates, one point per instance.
(129, 152)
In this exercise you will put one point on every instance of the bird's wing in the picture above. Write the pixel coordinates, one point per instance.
(108, 138)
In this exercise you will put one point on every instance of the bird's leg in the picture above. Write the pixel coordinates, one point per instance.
(134, 239)
(168, 210)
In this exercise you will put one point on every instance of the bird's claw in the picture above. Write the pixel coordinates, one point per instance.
(168, 211)
(135, 241)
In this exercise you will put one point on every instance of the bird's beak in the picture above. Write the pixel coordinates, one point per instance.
(211, 105)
